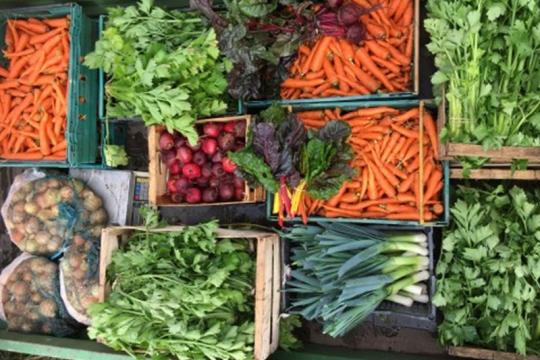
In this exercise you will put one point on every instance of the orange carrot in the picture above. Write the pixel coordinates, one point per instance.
(321, 53)
(297, 84)
(381, 180)
(405, 132)
(364, 78)
(377, 49)
(431, 130)
(34, 155)
(387, 64)
(59, 22)
(44, 144)
(363, 58)
(396, 54)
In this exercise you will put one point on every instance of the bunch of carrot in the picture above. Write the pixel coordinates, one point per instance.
(33, 89)
(399, 173)
(336, 67)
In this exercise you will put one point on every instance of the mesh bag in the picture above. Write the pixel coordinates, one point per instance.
(30, 297)
(42, 212)
(79, 276)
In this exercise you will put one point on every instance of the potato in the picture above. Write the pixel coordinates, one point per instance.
(45, 215)
(96, 231)
(79, 274)
(41, 201)
(33, 316)
(31, 208)
(77, 185)
(84, 265)
(66, 193)
(32, 225)
(16, 236)
(78, 240)
(27, 277)
(26, 327)
(52, 197)
(17, 218)
(53, 183)
(74, 261)
(36, 297)
(27, 188)
(51, 247)
(98, 217)
(91, 201)
(42, 237)
(46, 329)
(18, 196)
(47, 308)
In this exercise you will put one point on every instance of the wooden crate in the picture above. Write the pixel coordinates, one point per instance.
(485, 354)
(498, 157)
(496, 174)
(157, 193)
(267, 282)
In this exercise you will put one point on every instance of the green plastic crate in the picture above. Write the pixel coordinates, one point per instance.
(352, 105)
(82, 133)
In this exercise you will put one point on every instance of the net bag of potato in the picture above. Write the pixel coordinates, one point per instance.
(30, 298)
(41, 212)
(79, 276)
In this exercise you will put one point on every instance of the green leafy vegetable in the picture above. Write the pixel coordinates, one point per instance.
(255, 168)
(182, 295)
(287, 340)
(487, 54)
(489, 270)
(115, 155)
(162, 66)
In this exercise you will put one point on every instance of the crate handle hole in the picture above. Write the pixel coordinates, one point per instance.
(82, 77)
(82, 117)
(82, 99)
(81, 59)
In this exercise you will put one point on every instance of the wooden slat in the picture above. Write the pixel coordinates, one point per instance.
(416, 63)
(276, 293)
(485, 354)
(496, 174)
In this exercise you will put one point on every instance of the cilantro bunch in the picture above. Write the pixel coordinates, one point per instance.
(184, 295)
(163, 66)
(487, 55)
(489, 271)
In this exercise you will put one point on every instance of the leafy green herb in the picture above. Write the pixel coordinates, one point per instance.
(254, 168)
(115, 155)
(489, 270)
(182, 295)
(287, 340)
(487, 58)
(162, 66)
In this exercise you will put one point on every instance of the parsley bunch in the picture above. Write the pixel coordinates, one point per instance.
(162, 66)
(182, 295)
(489, 271)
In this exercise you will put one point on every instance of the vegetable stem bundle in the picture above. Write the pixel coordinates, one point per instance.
(388, 157)
(341, 273)
(33, 90)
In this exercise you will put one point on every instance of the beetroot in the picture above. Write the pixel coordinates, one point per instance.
(211, 129)
(213, 182)
(210, 195)
(184, 154)
(179, 140)
(209, 146)
(168, 157)
(217, 170)
(171, 186)
(199, 158)
(348, 14)
(239, 129)
(177, 198)
(166, 141)
(226, 192)
(191, 171)
(356, 33)
(226, 141)
(334, 3)
(228, 165)
(229, 127)
(239, 194)
(193, 195)
(203, 182)
(238, 182)
(218, 156)
(175, 168)
(182, 183)
(206, 170)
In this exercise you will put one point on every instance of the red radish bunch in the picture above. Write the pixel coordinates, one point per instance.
(202, 173)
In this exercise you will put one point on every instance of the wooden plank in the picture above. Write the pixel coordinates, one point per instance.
(496, 174)
(485, 354)
(263, 299)
(416, 63)
(276, 292)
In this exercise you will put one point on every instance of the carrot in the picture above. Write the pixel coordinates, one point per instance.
(344, 80)
(336, 198)
(363, 58)
(382, 181)
(364, 78)
(407, 115)
(391, 178)
(400, 9)
(369, 112)
(34, 155)
(375, 30)
(51, 43)
(321, 88)
(320, 55)
(297, 84)
(330, 73)
(431, 130)
(387, 64)
(33, 26)
(347, 50)
(314, 123)
(397, 208)
(336, 92)
(438, 208)
(314, 75)
(44, 37)
(409, 46)
(44, 144)
(57, 23)
(391, 9)
(411, 215)
(9, 84)
(349, 198)
(343, 86)
(396, 54)
(433, 184)
(397, 172)
(377, 49)
(405, 132)
(367, 203)
(342, 212)
(15, 68)
(407, 17)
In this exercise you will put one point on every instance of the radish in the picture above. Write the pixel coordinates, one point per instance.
(214, 181)
(209, 146)
(166, 141)
(210, 195)
(179, 140)
(175, 168)
(206, 170)
(229, 127)
(203, 182)
(226, 141)
(193, 195)
(171, 186)
(228, 165)
(191, 171)
(182, 184)
(211, 129)
(226, 192)
(184, 154)
(199, 158)
(168, 157)
(217, 169)
(218, 156)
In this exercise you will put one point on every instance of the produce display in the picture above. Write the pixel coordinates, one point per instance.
(184, 295)
(30, 295)
(204, 173)
(33, 89)
(365, 48)
(386, 145)
(42, 212)
(497, 103)
(488, 273)
(293, 163)
(79, 276)
(163, 66)
(341, 273)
